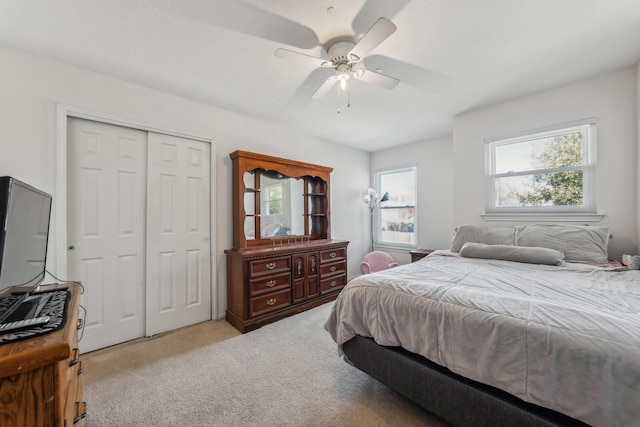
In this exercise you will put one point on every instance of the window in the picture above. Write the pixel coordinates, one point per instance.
(550, 171)
(395, 219)
(272, 198)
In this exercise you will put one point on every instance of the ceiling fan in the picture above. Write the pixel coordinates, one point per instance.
(344, 57)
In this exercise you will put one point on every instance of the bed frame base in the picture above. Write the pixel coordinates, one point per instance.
(457, 400)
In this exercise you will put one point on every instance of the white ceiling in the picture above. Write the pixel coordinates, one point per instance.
(450, 55)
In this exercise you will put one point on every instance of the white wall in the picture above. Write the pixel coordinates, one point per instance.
(638, 148)
(611, 98)
(434, 161)
(31, 87)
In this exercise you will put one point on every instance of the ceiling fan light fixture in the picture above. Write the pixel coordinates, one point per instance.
(343, 75)
(344, 56)
(357, 73)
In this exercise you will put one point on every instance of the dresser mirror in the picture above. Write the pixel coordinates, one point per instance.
(281, 205)
(278, 201)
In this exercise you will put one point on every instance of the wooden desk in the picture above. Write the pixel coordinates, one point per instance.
(40, 377)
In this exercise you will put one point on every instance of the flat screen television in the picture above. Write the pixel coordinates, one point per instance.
(25, 212)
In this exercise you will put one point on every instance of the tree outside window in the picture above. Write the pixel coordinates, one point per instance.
(544, 171)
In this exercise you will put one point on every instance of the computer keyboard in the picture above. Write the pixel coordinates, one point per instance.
(23, 324)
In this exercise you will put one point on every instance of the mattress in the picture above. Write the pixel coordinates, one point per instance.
(563, 337)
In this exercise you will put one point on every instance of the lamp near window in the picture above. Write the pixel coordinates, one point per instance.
(373, 199)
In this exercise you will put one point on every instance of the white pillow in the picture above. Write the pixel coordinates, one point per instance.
(585, 244)
(486, 235)
(512, 253)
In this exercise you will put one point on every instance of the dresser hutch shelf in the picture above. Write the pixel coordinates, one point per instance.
(283, 259)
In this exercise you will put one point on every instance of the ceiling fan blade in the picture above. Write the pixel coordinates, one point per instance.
(324, 88)
(377, 79)
(374, 9)
(382, 29)
(301, 97)
(413, 75)
(286, 53)
(241, 17)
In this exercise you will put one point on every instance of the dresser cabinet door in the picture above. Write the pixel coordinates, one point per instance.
(22, 393)
(305, 276)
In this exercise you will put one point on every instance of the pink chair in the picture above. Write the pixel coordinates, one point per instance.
(377, 261)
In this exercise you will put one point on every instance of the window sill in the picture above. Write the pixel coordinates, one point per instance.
(543, 217)
(391, 247)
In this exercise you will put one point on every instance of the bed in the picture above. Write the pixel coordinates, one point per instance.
(510, 326)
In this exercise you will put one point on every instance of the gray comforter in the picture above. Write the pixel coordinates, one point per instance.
(563, 337)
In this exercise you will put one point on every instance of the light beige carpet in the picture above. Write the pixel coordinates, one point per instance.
(284, 374)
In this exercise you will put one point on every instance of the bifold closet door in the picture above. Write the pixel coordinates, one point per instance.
(106, 196)
(178, 233)
(138, 230)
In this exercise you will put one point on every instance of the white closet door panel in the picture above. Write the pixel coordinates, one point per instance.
(92, 273)
(178, 233)
(106, 233)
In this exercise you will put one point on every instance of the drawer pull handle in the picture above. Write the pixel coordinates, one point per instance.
(81, 412)
(332, 255)
(76, 357)
(271, 283)
(271, 301)
(333, 283)
(333, 268)
(271, 265)
(80, 324)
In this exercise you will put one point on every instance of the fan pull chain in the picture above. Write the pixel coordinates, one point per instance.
(341, 94)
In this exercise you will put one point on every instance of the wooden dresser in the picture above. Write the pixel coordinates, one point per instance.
(265, 285)
(283, 259)
(40, 377)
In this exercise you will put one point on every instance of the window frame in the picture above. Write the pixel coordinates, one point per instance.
(267, 201)
(376, 214)
(586, 212)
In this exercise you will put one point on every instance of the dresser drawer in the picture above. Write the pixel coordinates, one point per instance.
(270, 283)
(75, 410)
(269, 302)
(331, 255)
(269, 266)
(71, 365)
(332, 284)
(333, 268)
(71, 386)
